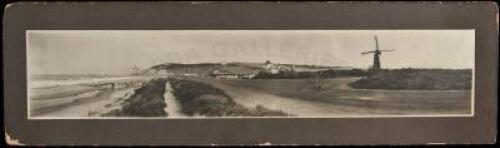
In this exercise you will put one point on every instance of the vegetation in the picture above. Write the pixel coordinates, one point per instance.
(202, 99)
(418, 79)
(147, 101)
(195, 99)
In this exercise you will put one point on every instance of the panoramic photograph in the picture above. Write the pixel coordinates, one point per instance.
(173, 74)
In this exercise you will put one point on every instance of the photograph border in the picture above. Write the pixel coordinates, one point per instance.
(480, 129)
(471, 114)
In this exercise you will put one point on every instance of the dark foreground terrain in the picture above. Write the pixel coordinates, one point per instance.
(203, 99)
(146, 101)
(194, 98)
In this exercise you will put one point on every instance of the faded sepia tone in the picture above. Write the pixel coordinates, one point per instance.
(249, 73)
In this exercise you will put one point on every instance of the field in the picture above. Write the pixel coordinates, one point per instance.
(326, 97)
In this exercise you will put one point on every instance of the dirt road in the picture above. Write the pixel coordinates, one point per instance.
(173, 107)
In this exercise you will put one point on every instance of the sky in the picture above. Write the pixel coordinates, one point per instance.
(117, 51)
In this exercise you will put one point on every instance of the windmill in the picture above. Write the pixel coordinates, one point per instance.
(376, 54)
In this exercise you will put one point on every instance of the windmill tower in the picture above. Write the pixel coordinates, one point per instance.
(376, 54)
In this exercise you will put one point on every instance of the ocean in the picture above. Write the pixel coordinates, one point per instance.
(52, 80)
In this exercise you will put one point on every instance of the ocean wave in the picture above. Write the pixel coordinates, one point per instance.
(58, 82)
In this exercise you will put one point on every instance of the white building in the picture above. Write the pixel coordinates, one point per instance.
(272, 68)
(232, 74)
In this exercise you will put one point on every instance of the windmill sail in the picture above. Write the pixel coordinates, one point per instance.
(367, 52)
(376, 54)
(388, 50)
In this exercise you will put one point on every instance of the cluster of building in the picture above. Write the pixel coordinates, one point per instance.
(231, 73)
(276, 68)
(228, 72)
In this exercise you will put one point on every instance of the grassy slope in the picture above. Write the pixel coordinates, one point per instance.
(202, 99)
(147, 101)
(195, 99)
(417, 79)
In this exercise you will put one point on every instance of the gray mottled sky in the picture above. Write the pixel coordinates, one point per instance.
(115, 52)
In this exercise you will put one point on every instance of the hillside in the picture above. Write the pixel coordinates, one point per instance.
(205, 68)
(234, 67)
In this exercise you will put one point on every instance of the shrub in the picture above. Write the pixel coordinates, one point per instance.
(198, 98)
(147, 100)
(419, 79)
